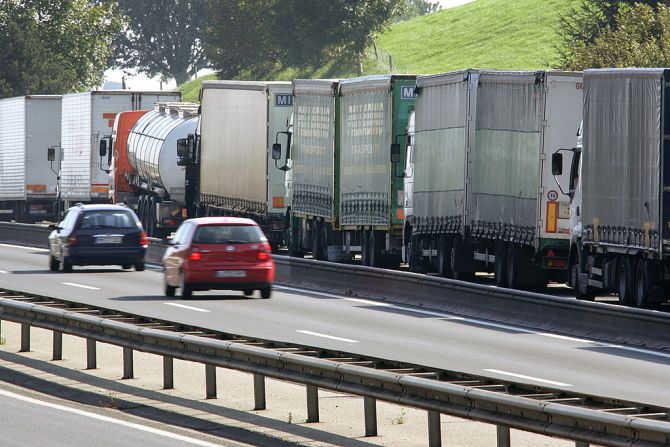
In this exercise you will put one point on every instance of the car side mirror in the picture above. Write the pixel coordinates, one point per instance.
(51, 154)
(557, 163)
(103, 147)
(276, 151)
(395, 153)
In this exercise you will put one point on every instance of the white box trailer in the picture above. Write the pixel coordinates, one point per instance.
(484, 197)
(86, 118)
(238, 126)
(28, 126)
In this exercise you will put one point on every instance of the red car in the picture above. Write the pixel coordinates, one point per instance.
(223, 253)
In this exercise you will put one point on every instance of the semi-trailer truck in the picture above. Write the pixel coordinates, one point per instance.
(619, 181)
(144, 173)
(85, 119)
(28, 126)
(484, 198)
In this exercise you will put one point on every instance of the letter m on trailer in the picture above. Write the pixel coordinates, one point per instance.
(283, 100)
(407, 92)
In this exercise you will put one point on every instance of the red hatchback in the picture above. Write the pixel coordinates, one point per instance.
(224, 253)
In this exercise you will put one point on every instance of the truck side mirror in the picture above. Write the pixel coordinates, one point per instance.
(103, 147)
(51, 154)
(182, 147)
(276, 151)
(557, 163)
(395, 153)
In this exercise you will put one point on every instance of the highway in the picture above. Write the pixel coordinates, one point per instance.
(376, 329)
(70, 425)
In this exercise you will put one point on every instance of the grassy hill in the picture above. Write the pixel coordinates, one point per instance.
(503, 34)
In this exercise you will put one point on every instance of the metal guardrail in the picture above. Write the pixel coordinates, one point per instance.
(535, 412)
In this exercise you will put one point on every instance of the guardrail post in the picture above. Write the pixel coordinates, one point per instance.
(25, 337)
(168, 372)
(434, 432)
(312, 403)
(581, 444)
(91, 357)
(58, 345)
(370, 408)
(503, 436)
(259, 392)
(210, 381)
(128, 372)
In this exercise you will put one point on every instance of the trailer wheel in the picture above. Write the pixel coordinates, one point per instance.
(590, 294)
(444, 256)
(512, 267)
(642, 282)
(365, 247)
(375, 250)
(500, 267)
(457, 253)
(414, 253)
(625, 281)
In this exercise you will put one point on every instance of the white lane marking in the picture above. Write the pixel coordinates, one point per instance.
(565, 337)
(22, 247)
(108, 419)
(316, 334)
(4, 272)
(81, 286)
(183, 306)
(480, 322)
(521, 376)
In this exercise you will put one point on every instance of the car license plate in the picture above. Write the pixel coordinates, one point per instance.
(230, 274)
(108, 239)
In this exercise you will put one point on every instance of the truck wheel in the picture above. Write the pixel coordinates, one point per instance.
(444, 256)
(625, 281)
(501, 265)
(415, 253)
(293, 242)
(374, 249)
(151, 217)
(642, 281)
(590, 294)
(512, 271)
(365, 247)
(316, 241)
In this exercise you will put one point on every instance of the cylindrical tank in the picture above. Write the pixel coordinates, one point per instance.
(152, 147)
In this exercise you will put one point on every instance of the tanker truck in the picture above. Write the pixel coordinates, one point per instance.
(484, 198)
(228, 162)
(85, 119)
(144, 173)
(619, 182)
(28, 126)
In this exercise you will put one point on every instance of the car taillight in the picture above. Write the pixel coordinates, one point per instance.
(72, 240)
(144, 239)
(195, 256)
(264, 253)
(550, 253)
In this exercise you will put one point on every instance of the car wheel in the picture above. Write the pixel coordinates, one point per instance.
(248, 292)
(186, 290)
(54, 264)
(139, 266)
(169, 290)
(126, 266)
(266, 292)
(65, 265)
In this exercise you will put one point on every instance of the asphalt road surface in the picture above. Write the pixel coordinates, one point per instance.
(435, 339)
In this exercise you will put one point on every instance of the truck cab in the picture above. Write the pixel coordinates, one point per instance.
(408, 187)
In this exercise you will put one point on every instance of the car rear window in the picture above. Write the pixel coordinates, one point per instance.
(107, 219)
(228, 234)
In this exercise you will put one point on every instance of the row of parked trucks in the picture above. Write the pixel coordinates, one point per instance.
(454, 173)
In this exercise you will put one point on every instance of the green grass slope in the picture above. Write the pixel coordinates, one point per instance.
(501, 34)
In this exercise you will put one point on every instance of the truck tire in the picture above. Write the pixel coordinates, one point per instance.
(500, 268)
(458, 251)
(375, 249)
(590, 294)
(317, 253)
(512, 268)
(642, 284)
(365, 247)
(444, 256)
(625, 276)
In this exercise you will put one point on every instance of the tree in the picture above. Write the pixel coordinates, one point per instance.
(53, 46)
(162, 37)
(640, 37)
(253, 35)
(586, 22)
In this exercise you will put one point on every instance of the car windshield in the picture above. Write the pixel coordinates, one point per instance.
(107, 219)
(228, 234)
